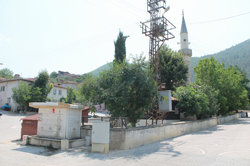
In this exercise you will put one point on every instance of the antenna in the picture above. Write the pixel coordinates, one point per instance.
(157, 28)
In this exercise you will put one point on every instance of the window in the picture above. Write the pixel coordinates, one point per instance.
(54, 91)
(8, 100)
(2, 88)
(59, 92)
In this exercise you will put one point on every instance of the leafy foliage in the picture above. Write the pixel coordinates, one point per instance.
(212, 96)
(42, 81)
(245, 82)
(21, 94)
(53, 74)
(120, 48)
(126, 89)
(192, 102)
(6, 72)
(71, 97)
(232, 95)
(173, 68)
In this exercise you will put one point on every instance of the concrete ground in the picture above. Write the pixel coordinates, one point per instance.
(227, 144)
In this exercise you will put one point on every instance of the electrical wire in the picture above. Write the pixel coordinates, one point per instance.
(71, 45)
(220, 19)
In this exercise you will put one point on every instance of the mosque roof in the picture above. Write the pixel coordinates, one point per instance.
(183, 26)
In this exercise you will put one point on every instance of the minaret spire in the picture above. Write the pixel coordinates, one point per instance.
(186, 52)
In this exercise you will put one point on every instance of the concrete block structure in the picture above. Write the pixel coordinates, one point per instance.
(56, 122)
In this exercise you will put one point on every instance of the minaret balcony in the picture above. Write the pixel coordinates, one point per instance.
(186, 52)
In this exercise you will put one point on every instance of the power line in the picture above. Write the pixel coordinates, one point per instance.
(124, 9)
(219, 19)
(74, 48)
(73, 44)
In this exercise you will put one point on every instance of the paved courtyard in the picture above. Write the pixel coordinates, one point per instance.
(227, 144)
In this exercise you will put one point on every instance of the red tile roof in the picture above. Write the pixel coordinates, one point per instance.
(59, 86)
(30, 79)
(2, 79)
(33, 117)
(174, 99)
(69, 82)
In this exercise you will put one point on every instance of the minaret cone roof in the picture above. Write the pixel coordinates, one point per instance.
(183, 26)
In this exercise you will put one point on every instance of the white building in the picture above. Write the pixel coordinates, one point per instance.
(57, 92)
(186, 52)
(70, 84)
(6, 92)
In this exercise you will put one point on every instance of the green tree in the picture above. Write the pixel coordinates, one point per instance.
(71, 96)
(192, 102)
(127, 90)
(6, 72)
(120, 48)
(212, 94)
(232, 95)
(245, 82)
(35, 94)
(21, 94)
(42, 81)
(173, 68)
(53, 74)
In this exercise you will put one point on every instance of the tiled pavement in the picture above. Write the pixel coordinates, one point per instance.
(226, 144)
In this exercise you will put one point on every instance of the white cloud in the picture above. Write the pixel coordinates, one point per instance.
(1, 37)
(8, 40)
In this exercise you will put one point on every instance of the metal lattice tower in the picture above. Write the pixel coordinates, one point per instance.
(157, 29)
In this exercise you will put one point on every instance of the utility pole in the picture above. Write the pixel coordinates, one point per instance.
(158, 30)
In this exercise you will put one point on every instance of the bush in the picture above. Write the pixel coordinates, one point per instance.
(192, 102)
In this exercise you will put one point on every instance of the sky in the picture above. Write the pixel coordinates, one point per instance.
(78, 35)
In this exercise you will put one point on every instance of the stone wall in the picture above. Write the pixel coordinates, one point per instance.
(225, 119)
(121, 139)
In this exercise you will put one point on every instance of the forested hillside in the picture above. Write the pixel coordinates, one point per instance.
(235, 55)
(99, 69)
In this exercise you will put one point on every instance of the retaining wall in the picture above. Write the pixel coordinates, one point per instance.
(121, 139)
(135, 137)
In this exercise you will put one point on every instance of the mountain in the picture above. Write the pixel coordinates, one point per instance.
(235, 55)
(99, 69)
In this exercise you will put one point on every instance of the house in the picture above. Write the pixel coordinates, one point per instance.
(63, 74)
(6, 92)
(57, 92)
(70, 84)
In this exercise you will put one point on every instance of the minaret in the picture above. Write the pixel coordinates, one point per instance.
(186, 52)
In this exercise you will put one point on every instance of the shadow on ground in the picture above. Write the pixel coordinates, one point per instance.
(159, 148)
(36, 150)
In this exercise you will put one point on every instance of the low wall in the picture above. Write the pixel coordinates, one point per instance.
(121, 139)
(228, 118)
